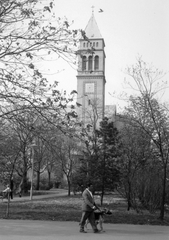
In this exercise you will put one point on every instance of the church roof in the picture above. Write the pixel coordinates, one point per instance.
(92, 30)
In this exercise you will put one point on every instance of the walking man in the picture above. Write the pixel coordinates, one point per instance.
(88, 207)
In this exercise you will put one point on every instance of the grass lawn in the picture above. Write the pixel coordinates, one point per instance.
(69, 209)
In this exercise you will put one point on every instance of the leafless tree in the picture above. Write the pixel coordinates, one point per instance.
(30, 33)
(149, 114)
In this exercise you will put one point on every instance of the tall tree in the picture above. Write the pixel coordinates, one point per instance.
(136, 152)
(30, 33)
(147, 113)
(100, 151)
(110, 147)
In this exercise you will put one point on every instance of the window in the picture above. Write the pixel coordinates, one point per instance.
(96, 63)
(90, 63)
(97, 44)
(93, 44)
(83, 44)
(83, 63)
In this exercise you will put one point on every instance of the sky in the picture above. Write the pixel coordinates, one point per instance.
(130, 28)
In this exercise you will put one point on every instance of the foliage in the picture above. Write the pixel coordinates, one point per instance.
(146, 113)
(44, 184)
(110, 147)
(134, 153)
(98, 162)
(67, 153)
(31, 34)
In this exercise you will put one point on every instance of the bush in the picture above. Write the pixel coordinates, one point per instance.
(44, 185)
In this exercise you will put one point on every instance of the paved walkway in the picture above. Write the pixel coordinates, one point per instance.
(48, 230)
(49, 194)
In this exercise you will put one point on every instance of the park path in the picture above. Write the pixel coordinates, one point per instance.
(53, 230)
(48, 194)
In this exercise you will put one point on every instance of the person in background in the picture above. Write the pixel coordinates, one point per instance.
(6, 191)
(88, 207)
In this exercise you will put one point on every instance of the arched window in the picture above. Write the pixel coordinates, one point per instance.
(83, 63)
(90, 63)
(97, 44)
(96, 63)
(84, 44)
(93, 44)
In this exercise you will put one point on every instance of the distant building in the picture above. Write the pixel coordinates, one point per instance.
(91, 74)
(91, 79)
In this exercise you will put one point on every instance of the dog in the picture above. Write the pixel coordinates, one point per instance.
(99, 217)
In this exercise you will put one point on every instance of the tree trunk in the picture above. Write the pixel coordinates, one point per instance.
(104, 172)
(69, 185)
(49, 179)
(163, 194)
(129, 196)
(37, 180)
(102, 195)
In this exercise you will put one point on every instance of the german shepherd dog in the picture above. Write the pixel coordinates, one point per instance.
(99, 217)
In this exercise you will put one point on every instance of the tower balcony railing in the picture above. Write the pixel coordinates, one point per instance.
(94, 72)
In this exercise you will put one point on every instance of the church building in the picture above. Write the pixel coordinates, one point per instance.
(91, 75)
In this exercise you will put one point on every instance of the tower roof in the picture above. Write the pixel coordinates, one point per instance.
(92, 30)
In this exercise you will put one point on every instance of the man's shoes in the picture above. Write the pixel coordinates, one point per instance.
(82, 231)
(97, 231)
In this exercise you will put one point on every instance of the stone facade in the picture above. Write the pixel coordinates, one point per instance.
(91, 75)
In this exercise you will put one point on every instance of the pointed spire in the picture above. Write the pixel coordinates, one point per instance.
(92, 30)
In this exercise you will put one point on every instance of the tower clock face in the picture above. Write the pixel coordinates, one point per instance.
(89, 87)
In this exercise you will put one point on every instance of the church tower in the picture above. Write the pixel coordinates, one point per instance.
(91, 75)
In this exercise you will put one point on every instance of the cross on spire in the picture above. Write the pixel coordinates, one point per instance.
(92, 10)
